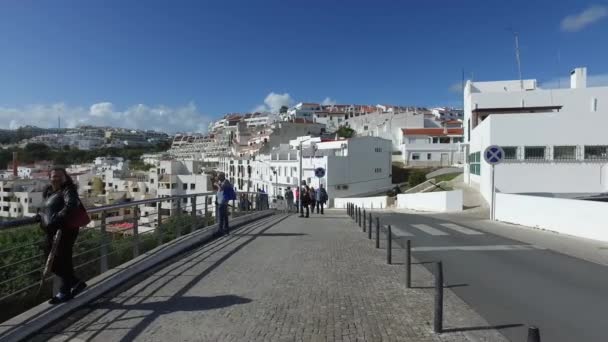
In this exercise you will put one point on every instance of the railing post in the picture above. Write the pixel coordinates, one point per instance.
(103, 249)
(533, 334)
(206, 211)
(135, 231)
(408, 263)
(369, 228)
(389, 245)
(364, 220)
(233, 208)
(193, 202)
(377, 232)
(178, 212)
(359, 215)
(438, 323)
(159, 221)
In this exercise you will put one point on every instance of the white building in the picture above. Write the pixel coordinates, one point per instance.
(103, 164)
(331, 120)
(432, 146)
(555, 140)
(21, 198)
(354, 167)
(301, 111)
(445, 113)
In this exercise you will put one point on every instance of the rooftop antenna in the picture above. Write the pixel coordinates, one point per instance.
(516, 35)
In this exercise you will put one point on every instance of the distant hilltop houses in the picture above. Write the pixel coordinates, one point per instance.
(355, 144)
(82, 137)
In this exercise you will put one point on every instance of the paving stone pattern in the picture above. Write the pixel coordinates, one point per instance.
(280, 279)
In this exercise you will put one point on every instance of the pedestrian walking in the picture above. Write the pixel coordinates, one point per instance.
(305, 201)
(297, 198)
(313, 199)
(321, 198)
(289, 199)
(62, 211)
(225, 194)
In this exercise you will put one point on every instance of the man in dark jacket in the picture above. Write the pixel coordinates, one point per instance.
(321, 197)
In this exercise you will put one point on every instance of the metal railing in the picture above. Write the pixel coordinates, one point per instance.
(102, 244)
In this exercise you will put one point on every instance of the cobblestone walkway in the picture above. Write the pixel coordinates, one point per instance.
(280, 279)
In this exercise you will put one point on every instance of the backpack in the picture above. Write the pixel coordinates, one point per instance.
(229, 193)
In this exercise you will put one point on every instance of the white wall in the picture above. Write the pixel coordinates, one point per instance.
(542, 129)
(442, 201)
(379, 202)
(585, 219)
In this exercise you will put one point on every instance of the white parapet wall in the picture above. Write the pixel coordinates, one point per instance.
(379, 202)
(580, 218)
(441, 201)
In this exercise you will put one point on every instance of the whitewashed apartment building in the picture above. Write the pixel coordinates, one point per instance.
(555, 140)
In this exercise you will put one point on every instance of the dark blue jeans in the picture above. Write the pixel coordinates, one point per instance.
(223, 218)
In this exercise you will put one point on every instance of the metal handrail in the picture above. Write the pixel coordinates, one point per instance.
(93, 210)
(103, 248)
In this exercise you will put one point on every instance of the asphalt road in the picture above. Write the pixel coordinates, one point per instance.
(509, 282)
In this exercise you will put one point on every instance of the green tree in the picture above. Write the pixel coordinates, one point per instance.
(283, 109)
(97, 186)
(346, 132)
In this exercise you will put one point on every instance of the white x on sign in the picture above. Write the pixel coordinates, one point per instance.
(493, 154)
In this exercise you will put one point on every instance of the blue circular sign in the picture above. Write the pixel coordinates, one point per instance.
(493, 154)
(320, 172)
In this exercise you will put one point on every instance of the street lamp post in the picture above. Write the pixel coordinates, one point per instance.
(301, 176)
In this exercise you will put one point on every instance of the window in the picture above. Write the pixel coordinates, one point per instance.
(510, 152)
(428, 156)
(435, 140)
(474, 163)
(534, 153)
(378, 170)
(596, 152)
(185, 186)
(135, 189)
(365, 128)
(444, 140)
(378, 149)
(192, 186)
(185, 200)
(151, 180)
(457, 139)
(564, 152)
(415, 156)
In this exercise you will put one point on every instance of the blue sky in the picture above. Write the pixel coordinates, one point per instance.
(206, 58)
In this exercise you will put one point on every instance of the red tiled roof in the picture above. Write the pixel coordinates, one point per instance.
(432, 131)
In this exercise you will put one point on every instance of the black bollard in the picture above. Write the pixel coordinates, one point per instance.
(408, 264)
(364, 220)
(389, 245)
(533, 334)
(369, 228)
(438, 323)
(359, 220)
(377, 232)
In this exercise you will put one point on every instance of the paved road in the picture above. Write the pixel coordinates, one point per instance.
(510, 282)
(316, 279)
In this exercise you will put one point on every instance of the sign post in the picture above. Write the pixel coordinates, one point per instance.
(493, 155)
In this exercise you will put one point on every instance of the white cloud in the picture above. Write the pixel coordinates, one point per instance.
(273, 102)
(599, 80)
(328, 102)
(577, 22)
(160, 118)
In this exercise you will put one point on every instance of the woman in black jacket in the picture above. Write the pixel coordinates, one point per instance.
(60, 199)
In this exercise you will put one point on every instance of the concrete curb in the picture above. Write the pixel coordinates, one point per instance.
(30, 322)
